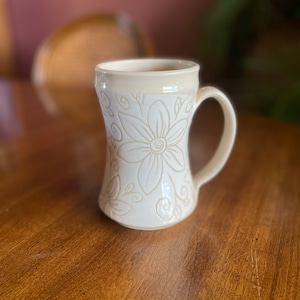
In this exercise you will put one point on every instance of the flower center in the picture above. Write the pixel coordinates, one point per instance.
(158, 145)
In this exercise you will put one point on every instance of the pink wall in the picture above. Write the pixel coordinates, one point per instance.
(170, 23)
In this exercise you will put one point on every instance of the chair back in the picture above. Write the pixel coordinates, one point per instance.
(69, 56)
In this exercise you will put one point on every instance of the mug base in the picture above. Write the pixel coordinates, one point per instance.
(148, 228)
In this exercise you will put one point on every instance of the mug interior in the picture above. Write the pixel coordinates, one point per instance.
(146, 66)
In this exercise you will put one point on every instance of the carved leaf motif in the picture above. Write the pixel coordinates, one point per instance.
(189, 106)
(129, 188)
(184, 197)
(113, 187)
(181, 103)
(177, 212)
(178, 105)
(124, 102)
(115, 134)
(105, 104)
(131, 195)
(111, 198)
(120, 207)
(140, 98)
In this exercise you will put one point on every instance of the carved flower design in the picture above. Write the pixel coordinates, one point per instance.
(154, 144)
(111, 198)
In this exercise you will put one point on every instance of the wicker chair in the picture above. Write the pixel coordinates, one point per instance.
(68, 57)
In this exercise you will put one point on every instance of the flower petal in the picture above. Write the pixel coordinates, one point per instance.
(158, 119)
(174, 157)
(133, 152)
(136, 129)
(150, 172)
(176, 132)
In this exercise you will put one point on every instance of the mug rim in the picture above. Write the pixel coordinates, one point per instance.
(147, 66)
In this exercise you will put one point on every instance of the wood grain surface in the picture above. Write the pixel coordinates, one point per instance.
(242, 242)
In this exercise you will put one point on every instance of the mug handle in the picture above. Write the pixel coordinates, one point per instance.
(214, 166)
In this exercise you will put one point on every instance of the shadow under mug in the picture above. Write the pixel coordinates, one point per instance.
(148, 106)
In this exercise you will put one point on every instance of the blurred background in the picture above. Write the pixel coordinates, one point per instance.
(248, 48)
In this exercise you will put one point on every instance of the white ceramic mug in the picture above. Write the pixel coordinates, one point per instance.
(148, 106)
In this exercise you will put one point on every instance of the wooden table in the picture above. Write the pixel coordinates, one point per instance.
(242, 242)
